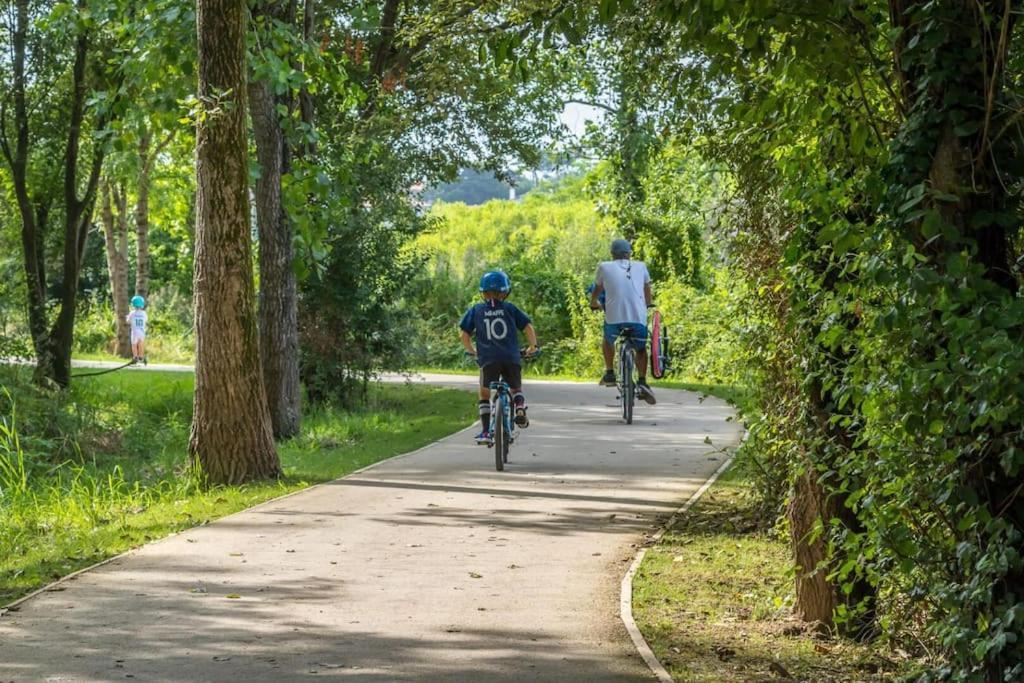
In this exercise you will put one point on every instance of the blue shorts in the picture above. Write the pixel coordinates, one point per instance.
(611, 333)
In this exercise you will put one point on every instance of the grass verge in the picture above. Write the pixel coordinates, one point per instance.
(90, 473)
(714, 597)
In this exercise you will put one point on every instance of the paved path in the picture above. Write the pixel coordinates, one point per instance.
(430, 567)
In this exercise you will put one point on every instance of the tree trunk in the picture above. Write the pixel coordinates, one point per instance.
(278, 310)
(142, 216)
(33, 214)
(231, 438)
(77, 217)
(115, 231)
(307, 147)
(808, 510)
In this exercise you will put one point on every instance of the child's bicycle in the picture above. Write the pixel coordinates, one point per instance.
(503, 425)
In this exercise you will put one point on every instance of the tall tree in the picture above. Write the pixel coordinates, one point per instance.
(35, 196)
(270, 94)
(115, 232)
(231, 438)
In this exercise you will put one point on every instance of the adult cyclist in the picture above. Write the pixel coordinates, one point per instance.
(626, 285)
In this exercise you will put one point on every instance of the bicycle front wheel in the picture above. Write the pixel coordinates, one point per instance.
(501, 436)
(628, 386)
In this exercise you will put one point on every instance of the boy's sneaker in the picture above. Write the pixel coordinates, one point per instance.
(645, 393)
(521, 419)
(144, 361)
(483, 438)
(608, 379)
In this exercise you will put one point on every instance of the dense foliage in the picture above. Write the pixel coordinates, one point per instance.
(874, 154)
(550, 244)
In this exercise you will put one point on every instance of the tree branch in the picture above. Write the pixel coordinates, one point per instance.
(596, 105)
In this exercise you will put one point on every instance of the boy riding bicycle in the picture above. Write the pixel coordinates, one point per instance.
(493, 324)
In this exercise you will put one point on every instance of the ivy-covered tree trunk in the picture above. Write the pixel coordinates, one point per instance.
(960, 170)
(115, 231)
(808, 513)
(231, 438)
(278, 295)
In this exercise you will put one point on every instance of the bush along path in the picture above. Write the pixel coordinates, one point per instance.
(427, 567)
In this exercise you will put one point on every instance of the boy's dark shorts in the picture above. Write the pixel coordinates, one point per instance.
(510, 373)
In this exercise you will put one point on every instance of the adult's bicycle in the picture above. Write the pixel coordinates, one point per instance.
(626, 347)
(625, 351)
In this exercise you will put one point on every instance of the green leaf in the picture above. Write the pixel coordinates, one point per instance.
(858, 136)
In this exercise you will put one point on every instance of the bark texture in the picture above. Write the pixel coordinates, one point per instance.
(115, 232)
(142, 216)
(278, 295)
(231, 437)
(816, 597)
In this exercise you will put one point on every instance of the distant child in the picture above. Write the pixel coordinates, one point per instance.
(137, 324)
(493, 324)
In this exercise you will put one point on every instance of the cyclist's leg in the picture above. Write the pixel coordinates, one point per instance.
(488, 373)
(640, 344)
(513, 374)
(610, 332)
(641, 364)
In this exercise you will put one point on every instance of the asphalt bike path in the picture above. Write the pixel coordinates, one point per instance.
(427, 567)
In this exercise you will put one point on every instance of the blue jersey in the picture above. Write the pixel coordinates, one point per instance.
(494, 324)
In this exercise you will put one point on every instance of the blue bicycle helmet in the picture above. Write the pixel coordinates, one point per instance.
(495, 281)
(138, 301)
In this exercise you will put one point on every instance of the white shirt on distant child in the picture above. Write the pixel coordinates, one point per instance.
(137, 323)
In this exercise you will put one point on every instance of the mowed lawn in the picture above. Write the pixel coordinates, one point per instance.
(92, 472)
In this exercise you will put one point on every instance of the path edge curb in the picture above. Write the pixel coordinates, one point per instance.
(626, 587)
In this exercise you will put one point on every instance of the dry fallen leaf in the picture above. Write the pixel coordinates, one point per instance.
(475, 575)
(232, 596)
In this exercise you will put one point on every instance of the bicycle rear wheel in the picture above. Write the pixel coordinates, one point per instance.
(500, 435)
(628, 385)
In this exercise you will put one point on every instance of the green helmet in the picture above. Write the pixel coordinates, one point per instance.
(138, 301)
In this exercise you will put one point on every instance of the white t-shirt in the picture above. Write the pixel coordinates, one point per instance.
(137, 323)
(623, 283)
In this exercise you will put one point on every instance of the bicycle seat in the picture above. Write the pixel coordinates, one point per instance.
(498, 386)
(626, 332)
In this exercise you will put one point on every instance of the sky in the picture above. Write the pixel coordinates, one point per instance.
(575, 116)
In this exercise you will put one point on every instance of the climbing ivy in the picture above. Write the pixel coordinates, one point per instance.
(874, 150)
